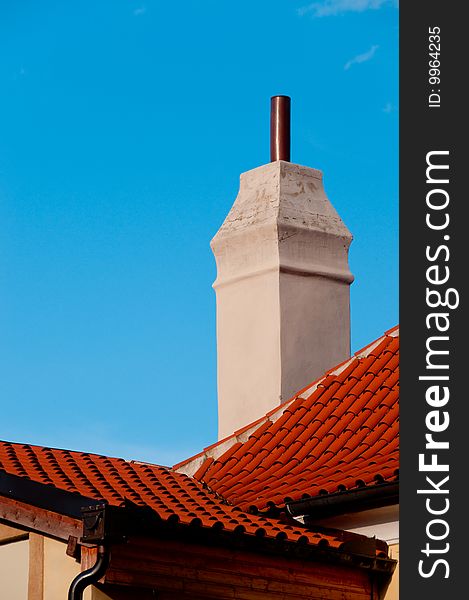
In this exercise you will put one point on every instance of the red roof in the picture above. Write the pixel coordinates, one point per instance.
(339, 433)
(172, 496)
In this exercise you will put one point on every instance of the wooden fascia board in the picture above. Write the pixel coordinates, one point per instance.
(32, 518)
(193, 570)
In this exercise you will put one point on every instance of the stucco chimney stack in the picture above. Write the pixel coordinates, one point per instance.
(282, 286)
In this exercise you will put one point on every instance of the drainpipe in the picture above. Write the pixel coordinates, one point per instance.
(100, 528)
(90, 576)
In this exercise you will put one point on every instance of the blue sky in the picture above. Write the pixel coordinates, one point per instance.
(124, 127)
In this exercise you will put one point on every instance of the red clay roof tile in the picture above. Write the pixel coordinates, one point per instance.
(168, 493)
(342, 434)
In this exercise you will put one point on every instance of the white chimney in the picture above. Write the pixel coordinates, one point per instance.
(282, 287)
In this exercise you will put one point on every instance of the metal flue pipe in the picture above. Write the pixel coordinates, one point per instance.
(280, 128)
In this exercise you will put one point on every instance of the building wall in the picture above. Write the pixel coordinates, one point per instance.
(59, 571)
(34, 567)
(14, 560)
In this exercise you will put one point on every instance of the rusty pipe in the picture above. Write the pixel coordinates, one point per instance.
(280, 128)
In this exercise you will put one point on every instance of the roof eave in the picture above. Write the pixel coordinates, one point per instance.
(349, 501)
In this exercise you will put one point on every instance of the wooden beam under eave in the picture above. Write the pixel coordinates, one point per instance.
(10, 534)
(36, 567)
(31, 518)
(177, 570)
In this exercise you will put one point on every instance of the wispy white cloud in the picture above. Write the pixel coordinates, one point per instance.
(140, 11)
(361, 58)
(330, 8)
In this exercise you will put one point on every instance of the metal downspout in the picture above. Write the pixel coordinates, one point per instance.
(90, 576)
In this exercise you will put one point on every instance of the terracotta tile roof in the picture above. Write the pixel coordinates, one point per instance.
(174, 497)
(339, 433)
